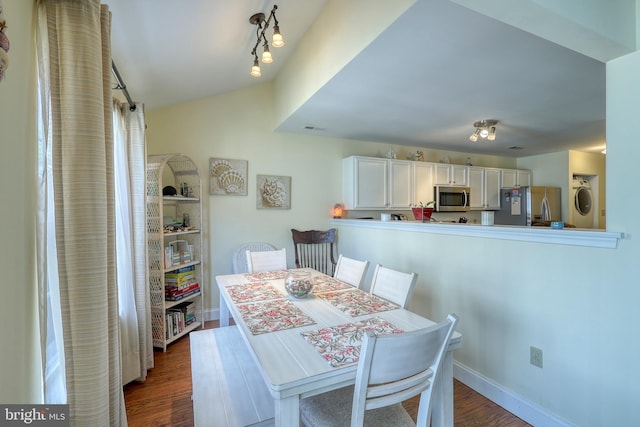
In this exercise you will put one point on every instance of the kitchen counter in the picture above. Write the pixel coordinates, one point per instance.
(567, 236)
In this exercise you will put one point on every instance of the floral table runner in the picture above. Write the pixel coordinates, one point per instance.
(266, 275)
(340, 345)
(253, 291)
(274, 315)
(357, 303)
(328, 284)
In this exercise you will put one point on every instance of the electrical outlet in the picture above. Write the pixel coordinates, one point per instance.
(535, 356)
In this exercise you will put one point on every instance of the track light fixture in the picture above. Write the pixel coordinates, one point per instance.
(258, 19)
(485, 129)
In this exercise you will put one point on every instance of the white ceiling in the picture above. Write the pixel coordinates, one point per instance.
(423, 82)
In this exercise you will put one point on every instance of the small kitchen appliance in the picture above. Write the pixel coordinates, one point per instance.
(451, 199)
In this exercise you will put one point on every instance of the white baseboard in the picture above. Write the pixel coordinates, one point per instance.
(517, 405)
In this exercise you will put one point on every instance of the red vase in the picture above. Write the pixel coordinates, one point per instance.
(422, 214)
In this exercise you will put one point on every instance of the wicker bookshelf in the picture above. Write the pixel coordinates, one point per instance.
(178, 171)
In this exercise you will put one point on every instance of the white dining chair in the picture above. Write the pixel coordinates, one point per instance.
(392, 285)
(351, 271)
(392, 368)
(239, 259)
(266, 260)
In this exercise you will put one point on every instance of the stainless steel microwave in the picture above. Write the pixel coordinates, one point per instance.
(451, 199)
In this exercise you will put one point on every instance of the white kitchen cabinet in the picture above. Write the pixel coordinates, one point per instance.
(509, 178)
(376, 183)
(484, 184)
(446, 174)
(515, 178)
(364, 183)
(423, 182)
(492, 189)
(523, 177)
(400, 188)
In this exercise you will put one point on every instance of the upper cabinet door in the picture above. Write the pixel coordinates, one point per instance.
(477, 187)
(458, 174)
(523, 178)
(371, 183)
(400, 184)
(509, 178)
(423, 182)
(492, 189)
(364, 183)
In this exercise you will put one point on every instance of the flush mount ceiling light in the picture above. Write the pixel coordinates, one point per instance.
(262, 24)
(485, 129)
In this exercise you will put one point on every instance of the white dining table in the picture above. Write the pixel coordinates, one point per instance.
(293, 369)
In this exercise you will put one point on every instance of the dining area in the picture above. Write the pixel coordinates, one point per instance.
(298, 346)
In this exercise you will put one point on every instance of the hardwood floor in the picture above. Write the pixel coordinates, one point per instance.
(164, 399)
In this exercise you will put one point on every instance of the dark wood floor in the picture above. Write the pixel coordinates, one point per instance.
(164, 399)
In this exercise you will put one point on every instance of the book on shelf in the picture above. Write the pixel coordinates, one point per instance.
(173, 294)
(182, 285)
(181, 278)
(179, 317)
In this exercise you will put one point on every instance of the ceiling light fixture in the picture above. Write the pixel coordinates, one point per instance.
(262, 24)
(485, 129)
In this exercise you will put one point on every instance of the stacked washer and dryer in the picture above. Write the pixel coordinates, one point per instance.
(583, 206)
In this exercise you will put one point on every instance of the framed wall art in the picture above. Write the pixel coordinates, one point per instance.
(4, 43)
(228, 177)
(273, 192)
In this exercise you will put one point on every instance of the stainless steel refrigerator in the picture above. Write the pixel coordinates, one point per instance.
(528, 205)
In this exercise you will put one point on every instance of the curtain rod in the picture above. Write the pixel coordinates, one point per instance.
(121, 86)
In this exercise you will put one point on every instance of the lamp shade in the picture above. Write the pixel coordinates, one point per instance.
(255, 70)
(277, 40)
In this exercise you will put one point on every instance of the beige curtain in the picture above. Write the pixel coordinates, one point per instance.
(131, 225)
(74, 60)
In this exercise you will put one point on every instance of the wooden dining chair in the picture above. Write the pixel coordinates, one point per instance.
(351, 271)
(392, 368)
(266, 260)
(393, 285)
(239, 259)
(314, 249)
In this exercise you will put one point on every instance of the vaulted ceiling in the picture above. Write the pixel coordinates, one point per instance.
(422, 82)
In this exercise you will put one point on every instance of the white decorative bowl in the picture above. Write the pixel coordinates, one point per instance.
(298, 283)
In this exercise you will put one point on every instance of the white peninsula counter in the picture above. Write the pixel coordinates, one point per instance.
(566, 236)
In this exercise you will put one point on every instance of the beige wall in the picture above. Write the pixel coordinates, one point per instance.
(577, 304)
(238, 125)
(19, 367)
(510, 295)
